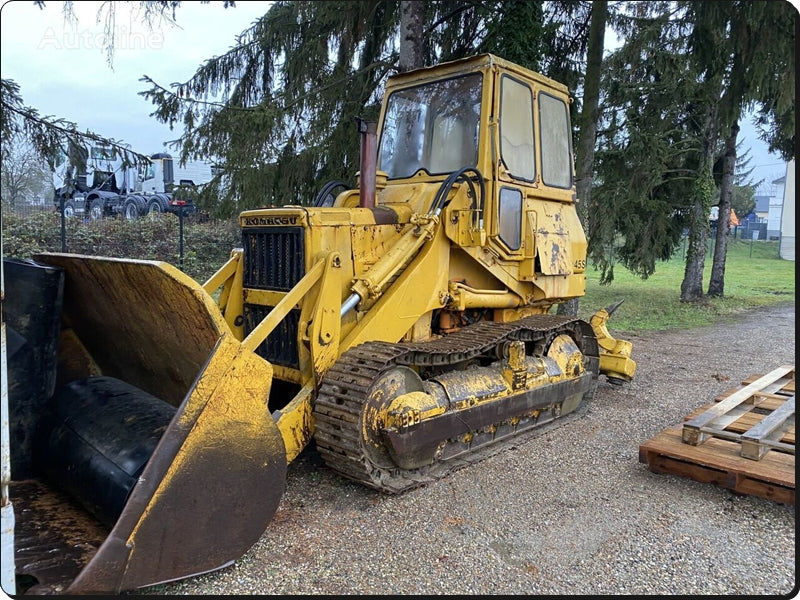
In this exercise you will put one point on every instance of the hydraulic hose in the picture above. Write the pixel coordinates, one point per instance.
(478, 200)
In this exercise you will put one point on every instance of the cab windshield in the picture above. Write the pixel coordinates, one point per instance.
(102, 153)
(432, 127)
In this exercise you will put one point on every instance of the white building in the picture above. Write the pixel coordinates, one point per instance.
(786, 193)
(774, 216)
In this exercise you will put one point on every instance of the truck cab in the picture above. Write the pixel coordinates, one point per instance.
(511, 126)
(157, 175)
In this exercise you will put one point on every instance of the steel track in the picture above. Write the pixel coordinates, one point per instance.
(345, 392)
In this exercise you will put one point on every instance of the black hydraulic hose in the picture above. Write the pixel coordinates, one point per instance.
(326, 190)
(478, 200)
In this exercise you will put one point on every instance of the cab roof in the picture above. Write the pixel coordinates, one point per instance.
(478, 62)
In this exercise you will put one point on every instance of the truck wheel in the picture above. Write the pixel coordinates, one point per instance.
(130, 210)
(154, 206)
(96, 210)
(69, 209)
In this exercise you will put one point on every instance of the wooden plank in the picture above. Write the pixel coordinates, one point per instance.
(719, 462)
(691, 429)
(780, 387)
(763, 397)
(755, 487)
(769, 429)
(786, 383)
(767, 396)
(722, 433)
(772, 421)
(749, 420)
(744, 412)
(741, 484)
(730, 418)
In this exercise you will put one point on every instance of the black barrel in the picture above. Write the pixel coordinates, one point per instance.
(97, 440)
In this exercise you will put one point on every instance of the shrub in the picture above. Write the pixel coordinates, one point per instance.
(206, 245)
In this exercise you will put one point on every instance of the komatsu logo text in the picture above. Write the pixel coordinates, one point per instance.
(249, 221)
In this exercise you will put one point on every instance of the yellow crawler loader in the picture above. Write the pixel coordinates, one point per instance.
(403, 327)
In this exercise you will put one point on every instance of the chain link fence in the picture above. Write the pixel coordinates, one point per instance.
(197, 248)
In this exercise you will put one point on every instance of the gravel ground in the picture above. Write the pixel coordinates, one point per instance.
(569, 511)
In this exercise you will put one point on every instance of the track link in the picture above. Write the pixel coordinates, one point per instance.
(345, 393)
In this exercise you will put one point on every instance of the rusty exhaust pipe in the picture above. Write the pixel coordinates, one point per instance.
(369, 162)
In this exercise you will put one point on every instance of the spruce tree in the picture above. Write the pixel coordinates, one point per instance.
(760, 60)
(648, 144)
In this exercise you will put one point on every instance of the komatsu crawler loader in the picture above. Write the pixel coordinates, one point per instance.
(406, 328)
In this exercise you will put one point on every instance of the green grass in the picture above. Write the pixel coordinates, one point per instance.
(755, 276)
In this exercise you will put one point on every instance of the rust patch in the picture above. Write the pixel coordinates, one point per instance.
(384, 215)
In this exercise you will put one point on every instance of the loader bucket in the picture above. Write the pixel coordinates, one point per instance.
(157, 456)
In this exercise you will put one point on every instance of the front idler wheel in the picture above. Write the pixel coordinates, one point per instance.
(391, 385)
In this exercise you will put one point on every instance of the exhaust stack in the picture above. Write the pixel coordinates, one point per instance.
(369, 163)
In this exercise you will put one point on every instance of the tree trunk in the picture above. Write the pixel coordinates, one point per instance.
(411, 41)
(587, 133)
(731, 104)
(716, 286)
(692, 284)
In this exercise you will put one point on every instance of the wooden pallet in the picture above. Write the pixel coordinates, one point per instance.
(743, 441)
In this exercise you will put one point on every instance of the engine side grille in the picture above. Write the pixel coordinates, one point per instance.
(274, 257)
(280, 347)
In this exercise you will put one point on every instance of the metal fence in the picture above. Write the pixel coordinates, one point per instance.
(749, 230)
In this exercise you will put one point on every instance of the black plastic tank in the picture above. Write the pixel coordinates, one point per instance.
(97, 440)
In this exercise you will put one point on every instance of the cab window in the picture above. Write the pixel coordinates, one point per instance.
(148, 171)
(516, 129)
(431, 127)
(510, 218)
(555, 137)
(101, 153)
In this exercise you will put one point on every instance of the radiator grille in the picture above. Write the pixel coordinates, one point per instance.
(280, 347)
(274, 257)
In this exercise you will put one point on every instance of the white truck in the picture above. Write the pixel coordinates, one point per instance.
(110, 187)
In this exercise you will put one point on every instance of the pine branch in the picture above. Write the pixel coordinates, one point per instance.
(51, 128)
(181, 97)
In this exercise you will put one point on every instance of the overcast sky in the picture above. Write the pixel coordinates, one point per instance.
(62, 68)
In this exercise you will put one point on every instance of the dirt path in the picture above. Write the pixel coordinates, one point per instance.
(571, 511)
